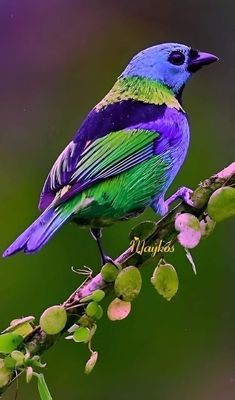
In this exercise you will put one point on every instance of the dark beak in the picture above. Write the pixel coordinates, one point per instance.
(200, 60)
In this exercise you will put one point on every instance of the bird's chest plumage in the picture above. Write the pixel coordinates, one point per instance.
(174, 141)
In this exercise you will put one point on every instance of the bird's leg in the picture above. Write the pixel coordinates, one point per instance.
(97, 234)
(161, 206)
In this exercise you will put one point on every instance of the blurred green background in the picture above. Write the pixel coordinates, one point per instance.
(58, 58)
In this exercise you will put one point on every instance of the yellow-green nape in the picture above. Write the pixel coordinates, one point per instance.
(140, 89)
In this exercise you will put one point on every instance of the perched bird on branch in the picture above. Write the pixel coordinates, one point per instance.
(126, 153)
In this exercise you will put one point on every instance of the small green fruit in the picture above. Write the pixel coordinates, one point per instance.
(128, 283)
(165, 280)
(99, 313)
(53, 320)
(91, 309)
(118, 309)
(221, 204)
(109, 272)
(98, 295)
(82, 334)
(19, 357)
(5, 374)
(94, 310)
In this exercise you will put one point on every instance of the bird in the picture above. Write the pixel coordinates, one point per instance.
(126, 152)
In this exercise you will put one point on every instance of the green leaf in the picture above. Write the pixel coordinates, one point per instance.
(9, 342)
(109, 272)
(43, 389)
(142, 230)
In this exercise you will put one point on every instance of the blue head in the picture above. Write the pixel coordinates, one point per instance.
(169, 63)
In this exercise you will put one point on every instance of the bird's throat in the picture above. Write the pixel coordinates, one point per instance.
(140, 89)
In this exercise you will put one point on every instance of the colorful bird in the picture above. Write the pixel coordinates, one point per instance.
(126, 153)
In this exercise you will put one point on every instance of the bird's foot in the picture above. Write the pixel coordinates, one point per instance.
(182, 193)
(106, 259)
(161, 206)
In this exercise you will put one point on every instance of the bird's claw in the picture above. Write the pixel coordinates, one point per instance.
(182, 193)
(106, 259)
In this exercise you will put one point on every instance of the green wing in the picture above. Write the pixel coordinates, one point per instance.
(110, 156)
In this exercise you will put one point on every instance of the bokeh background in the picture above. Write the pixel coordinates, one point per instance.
(58, 58)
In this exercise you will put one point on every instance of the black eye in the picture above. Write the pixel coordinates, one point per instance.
(176, 58)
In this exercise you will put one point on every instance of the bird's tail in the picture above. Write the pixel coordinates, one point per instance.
(38, 234)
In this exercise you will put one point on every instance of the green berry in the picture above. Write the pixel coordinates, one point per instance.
(165, 280)
(109, 272)
(98, 295)
(128, 283)
(99, 313)
(118, 309)
(94, 310)
(19, 357)
(221, 204)
(53, 320)
(82, 334)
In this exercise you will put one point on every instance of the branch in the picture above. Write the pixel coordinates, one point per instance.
(37, 342)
